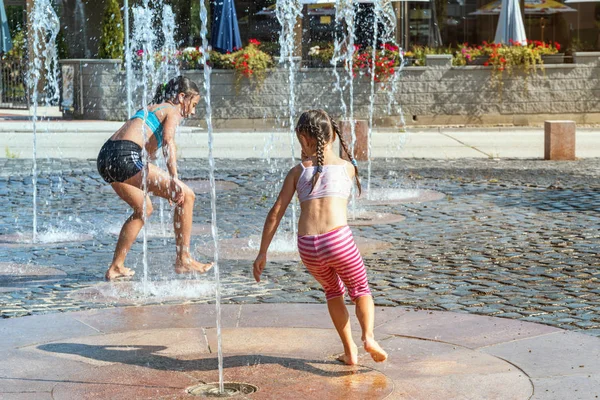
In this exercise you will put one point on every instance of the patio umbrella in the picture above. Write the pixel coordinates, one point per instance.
(5, 40)
(225, 34)
(510, 24)
(541, 7)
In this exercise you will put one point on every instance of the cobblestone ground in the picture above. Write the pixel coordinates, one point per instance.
(512, 238)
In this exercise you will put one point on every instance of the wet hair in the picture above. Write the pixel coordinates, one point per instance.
(170, 90)
(318, 125)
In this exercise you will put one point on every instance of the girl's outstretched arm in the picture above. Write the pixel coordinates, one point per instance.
(273, 218)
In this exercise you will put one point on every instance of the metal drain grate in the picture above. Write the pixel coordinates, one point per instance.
(231, 389)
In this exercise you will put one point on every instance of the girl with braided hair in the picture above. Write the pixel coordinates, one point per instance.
(121, 163)
(323, 182)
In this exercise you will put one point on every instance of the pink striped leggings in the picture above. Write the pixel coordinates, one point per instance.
(333, 259)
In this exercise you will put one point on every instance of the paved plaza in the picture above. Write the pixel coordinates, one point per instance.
(514, 240)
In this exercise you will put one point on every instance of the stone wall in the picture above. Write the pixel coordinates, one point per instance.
(436, 94)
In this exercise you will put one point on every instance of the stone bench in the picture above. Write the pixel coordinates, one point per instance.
(559, 140)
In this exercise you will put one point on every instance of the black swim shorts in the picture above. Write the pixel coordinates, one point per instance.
(119, 160)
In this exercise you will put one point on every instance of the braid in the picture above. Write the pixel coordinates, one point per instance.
(338, 132)
(320, 156)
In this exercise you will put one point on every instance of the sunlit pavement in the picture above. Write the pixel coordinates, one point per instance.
(510, 238)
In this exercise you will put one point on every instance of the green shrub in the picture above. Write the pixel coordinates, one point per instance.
(111, 41)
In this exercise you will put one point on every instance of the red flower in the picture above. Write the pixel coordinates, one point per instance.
(486, 64)
(557, 45)
(254, 42)
(503, 60)
(246, 56)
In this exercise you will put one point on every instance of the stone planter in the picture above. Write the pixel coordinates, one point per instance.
(558, 58)
(295, 59)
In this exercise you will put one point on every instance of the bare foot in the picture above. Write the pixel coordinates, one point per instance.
(350, 358)
(116, 272)
(191, 265)
(376, 352)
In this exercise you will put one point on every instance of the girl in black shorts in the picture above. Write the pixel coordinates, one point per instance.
(120, 163)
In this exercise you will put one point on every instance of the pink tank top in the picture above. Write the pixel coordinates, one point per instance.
(333, 182)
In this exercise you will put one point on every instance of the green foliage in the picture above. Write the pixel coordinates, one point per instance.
(250, 61)
(111, 41)
(19, 47)
(10, 154)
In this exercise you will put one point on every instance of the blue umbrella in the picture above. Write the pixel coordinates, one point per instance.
(5, 40)
(225, 35)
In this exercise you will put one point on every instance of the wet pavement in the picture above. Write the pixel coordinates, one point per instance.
(288, 351)
(517, 239)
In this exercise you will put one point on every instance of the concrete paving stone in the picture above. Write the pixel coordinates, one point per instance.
(576, 387)
(579, 354)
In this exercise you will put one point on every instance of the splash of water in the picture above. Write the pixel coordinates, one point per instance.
(376, 20)
(143, 41)
(213, 192)
(45, 26)
(128, 51)
(288, 12)
(160, 290)
(343, 52)
(169, 68)
(281, 243)
(384, 17)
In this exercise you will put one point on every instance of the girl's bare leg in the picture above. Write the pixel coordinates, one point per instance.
(158, 183)
(365, 313)
(131, 228)
(131, 192)
(341, 321)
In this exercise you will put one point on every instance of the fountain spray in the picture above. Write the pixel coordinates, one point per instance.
(288, 12)
(169, 69)
(343, 51)
(143, 41)
(45, 26)
(213, 192)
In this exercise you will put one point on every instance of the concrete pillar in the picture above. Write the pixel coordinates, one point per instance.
(361, 148)
(559, 140)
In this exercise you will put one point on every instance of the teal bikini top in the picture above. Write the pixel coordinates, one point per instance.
(153, 123)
